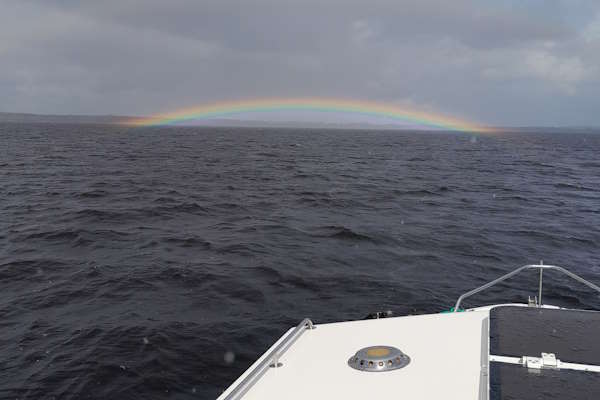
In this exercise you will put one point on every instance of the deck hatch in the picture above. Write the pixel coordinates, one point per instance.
(542, 353)
(572, 335)
(508, 381)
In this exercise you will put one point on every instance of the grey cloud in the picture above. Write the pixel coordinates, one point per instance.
(285, 25)
(502, 64)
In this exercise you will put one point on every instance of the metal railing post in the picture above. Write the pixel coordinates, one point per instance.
(540, 289)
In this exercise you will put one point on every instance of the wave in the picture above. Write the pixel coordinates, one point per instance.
(340, 232)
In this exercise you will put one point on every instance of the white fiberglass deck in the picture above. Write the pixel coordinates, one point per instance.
(450, 355)
(447, 352)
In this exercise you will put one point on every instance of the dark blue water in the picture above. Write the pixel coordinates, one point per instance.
(133, 261)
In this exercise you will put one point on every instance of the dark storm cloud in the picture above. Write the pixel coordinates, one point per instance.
(503, 64)
(277, 25)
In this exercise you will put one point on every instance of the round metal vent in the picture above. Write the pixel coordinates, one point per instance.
(378, 359)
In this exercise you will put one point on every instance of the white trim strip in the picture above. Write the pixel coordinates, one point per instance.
(559, 364)
(506, 360)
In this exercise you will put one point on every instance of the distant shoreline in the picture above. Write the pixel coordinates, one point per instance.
(121, 120)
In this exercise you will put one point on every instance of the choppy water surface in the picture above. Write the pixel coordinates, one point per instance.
(159, 263)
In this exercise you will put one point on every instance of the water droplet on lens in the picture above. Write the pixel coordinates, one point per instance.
(229, 357)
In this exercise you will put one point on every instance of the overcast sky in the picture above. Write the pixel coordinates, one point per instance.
(503, 63)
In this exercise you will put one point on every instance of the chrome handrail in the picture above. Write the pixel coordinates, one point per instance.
(270, 361)
(541, 267)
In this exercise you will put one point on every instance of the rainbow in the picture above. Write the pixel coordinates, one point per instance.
(327, 105)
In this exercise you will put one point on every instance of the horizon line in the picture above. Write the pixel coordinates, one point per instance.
(124, 120)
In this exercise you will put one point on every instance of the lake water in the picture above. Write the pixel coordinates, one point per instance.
(161, 262)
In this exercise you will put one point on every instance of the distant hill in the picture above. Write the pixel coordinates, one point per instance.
(123, 120)
(62, 119)
(549, 129)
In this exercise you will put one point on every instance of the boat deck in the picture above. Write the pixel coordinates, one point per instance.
(450, 357)
(445, 351)
(498, 352)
